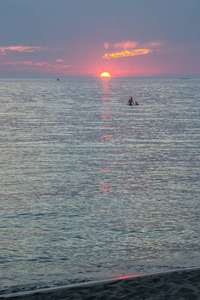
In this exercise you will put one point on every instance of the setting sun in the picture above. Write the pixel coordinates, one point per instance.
(105, 74)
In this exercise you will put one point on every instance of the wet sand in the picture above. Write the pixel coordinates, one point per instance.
(174, 285)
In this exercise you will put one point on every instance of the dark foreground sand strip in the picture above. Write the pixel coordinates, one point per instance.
(176, 285)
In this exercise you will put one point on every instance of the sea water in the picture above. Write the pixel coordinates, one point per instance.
(91, 188)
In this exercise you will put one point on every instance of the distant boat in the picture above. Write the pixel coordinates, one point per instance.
(185, 78)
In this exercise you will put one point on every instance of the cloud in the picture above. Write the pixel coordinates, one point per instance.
(3, 50)
(127, 53)
(106, 45)
(128, 48)
(16, 63)
(153, 44)
(126, 45)
(42, 66)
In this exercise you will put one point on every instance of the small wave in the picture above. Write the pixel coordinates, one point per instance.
(37, 286)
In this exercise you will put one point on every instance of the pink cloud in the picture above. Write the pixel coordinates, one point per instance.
(127, 53)
(106, 45)
(133, 44)
(153, 44)
(37, 66)
(3, 50)
(128, 48)
(126, 45)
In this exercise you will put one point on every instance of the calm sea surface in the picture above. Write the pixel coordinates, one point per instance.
(91, 188)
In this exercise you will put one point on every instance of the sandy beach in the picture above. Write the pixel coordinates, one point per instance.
(176, 285)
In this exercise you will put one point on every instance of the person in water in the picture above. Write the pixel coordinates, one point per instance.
(130, 101)
(136, 103)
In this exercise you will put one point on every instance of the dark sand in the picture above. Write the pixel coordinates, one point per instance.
(176, 285)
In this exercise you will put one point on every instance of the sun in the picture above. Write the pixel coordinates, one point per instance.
(105, 74)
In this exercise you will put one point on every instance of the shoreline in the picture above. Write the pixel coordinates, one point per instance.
(169, 285)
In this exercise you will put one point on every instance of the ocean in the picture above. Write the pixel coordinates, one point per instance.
(91, 188)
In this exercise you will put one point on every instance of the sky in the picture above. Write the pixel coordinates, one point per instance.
(128, 38)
